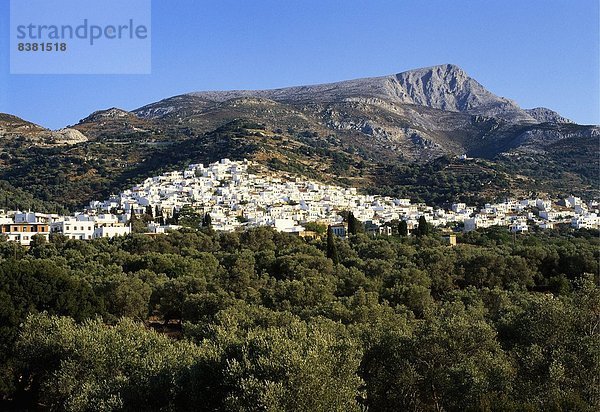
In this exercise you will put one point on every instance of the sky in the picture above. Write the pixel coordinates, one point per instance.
(536, 52)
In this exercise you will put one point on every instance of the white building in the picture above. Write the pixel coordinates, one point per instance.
(111, 231)
(73, 228)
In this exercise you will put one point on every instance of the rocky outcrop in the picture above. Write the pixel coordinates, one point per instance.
(112, 113)
(544, 115)
(68, 136)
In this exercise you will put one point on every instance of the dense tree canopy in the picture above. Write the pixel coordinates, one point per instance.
(259, 320)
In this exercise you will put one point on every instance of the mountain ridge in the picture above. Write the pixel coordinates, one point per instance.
(416, 115)
(446, 87)
(403, 135)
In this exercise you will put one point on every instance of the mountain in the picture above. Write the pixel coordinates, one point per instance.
(115, 123)
(449, 88)
(399, 135)
(416, 115)
(445, 87)
(13, 127)
(544, 115)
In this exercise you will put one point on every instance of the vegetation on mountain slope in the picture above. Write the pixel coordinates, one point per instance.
(397, 134)
(107, 163)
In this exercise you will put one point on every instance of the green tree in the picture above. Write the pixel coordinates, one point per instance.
(423, 228)
(318, 228)
(451, 361)
(137, 224)
(175, 217)
(555, 345)
(403, 228)
(127, 296)
(41, 248)
(354, 225)
(32, 285)
(240, 277)
(158, 215)
(300, 367)
(189, 217)
(207, 221)
(332, 252)
(91, 366)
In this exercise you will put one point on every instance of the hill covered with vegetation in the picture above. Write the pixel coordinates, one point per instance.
(120, 152)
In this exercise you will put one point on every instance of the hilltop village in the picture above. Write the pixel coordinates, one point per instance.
(239, 194)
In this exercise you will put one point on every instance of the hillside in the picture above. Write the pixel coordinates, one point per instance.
(416, 115)
(400, 135)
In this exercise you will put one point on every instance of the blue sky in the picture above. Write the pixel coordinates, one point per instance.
(537, 52)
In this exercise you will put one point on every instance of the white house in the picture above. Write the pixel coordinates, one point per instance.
(111, 231)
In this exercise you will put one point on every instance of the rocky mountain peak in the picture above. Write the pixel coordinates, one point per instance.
(545, 115)
(445, 87)
(448, 87)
